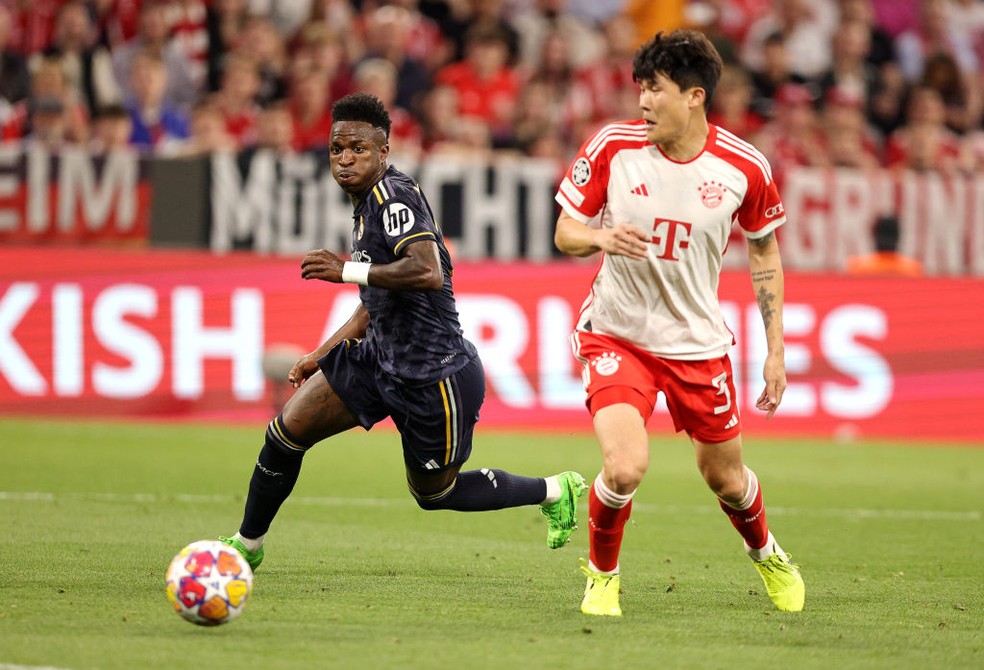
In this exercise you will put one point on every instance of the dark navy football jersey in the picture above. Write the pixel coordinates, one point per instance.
(415, 335)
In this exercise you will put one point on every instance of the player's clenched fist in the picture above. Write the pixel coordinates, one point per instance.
(322, 264)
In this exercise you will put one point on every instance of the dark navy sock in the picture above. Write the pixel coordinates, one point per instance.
(274, 476)
(481, 490)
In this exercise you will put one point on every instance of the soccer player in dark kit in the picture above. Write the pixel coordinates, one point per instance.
(401, 355)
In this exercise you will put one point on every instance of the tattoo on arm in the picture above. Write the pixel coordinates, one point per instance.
(765, 300)
(762, 241)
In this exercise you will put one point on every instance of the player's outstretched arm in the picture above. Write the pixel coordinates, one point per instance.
(576, 239)
(765, 265)
(417, 269)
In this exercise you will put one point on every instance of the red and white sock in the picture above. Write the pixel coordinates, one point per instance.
(607, 513)
(748, 516)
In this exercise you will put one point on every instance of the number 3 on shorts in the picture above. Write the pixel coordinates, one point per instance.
(721, 381)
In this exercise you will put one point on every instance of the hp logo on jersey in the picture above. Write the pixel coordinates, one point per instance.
(398, 219)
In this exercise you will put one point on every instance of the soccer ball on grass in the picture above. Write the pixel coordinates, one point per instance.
(209, 582)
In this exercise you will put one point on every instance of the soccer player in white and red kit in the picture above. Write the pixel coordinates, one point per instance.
(659, 197)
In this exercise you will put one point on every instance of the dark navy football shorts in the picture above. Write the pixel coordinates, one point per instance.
(436, 420)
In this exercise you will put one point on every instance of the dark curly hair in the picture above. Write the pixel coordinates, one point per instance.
(686, 57)
(362, 107)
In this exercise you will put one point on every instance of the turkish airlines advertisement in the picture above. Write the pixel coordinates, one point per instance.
(182, 335)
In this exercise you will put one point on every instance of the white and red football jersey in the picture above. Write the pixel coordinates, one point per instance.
(667, 304)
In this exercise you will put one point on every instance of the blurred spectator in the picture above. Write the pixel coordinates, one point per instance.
(934, 33)
(849, 140)
(111, 130)
(806, 27)
(48, 87)
(731, 105)
(607, 81)
(377, 77)
(286, 16)
(188, 23)
(958, 90)
(569, 104)
(116, 21)
(224, 22)
(438, 113)
(487, 87)
(886, 259)
(275, 129)
(157, 126)
(548, 17)
(924, 142)
(426, 43)
(387, 35)
(311, 111)
(153, 36)
(87, 66)
(537, 131)
(483, 15)
(48, 126)
(15, 82)
(236, 98)
(794, 137)
(265, 46)
(772, 74)
(320, 49)
(881, 49)
(968, 16)
(850, 69)
(207, 134)
(33, 24)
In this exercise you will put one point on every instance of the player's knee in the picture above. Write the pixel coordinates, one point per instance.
(726, 484)
(624, 476)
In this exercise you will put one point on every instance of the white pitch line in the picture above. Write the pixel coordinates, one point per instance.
(197, 499)
(10, 666)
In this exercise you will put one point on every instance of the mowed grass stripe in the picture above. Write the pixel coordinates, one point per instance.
(638, 508)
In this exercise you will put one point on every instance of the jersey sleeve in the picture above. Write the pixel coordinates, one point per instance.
(583, 191)
(403, 216)
(761, 210)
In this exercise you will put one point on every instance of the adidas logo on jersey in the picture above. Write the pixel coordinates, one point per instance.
(733, 422)
(640, 190)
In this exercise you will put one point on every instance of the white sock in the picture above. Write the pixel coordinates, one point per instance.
(553, 490)
(251, 543)
(594, 568)
(771, 547)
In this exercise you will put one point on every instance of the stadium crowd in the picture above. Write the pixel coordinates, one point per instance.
(852, 83)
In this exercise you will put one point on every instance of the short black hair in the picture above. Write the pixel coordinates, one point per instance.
(886, 233)
(686, 57)
(362, 107)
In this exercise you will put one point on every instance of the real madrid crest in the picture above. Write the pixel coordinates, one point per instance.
(360, 231)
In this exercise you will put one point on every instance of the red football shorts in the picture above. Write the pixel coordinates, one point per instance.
(699, 394)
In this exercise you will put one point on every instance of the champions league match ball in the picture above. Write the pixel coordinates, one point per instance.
(208, 583)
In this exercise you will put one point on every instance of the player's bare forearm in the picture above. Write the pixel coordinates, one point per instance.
(765, 266)
(576, 239)
(417, 269)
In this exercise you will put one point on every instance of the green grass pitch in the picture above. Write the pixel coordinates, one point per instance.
(890, 538)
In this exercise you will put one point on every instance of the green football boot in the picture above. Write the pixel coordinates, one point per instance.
(562, 515)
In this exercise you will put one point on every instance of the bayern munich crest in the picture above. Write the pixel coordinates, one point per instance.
(606, 364)
(711, 193)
